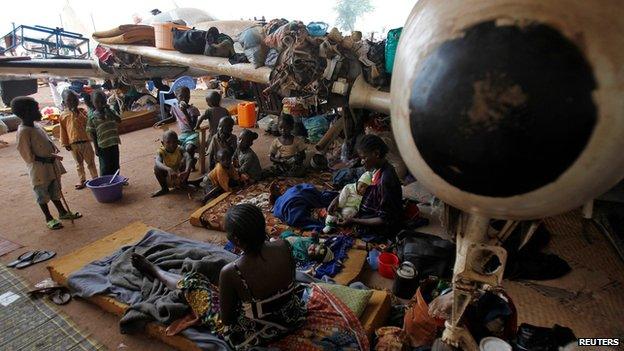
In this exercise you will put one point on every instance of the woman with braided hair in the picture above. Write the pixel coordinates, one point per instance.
(257, 300)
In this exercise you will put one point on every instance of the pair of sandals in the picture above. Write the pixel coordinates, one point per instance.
(55, 224)
(30, 258)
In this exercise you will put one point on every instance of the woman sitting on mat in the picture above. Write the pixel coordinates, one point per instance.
(381, 207)
(257, 300)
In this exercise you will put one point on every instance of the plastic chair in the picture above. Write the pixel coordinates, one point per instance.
(184, 81)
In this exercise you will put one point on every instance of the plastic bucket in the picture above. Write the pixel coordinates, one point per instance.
(105, 192)
(163, 34)
(388, 264)
(247, 114)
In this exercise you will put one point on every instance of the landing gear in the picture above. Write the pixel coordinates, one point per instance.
(478, 267)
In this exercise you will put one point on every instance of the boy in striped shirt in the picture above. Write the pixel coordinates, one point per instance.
(103, 126)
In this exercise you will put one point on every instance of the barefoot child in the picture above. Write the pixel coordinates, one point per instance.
(245, 159)
(185, 114)
(213, 114)
(103, 127)
(172, 164)
(222, 178)
(287, 150)
(347, 204)
(224, 139)
(74, 137)
(44, 165)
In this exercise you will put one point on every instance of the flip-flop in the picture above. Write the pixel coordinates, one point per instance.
(69, 215)
(57, 294)
(40, 256)
(79, 186)
(26, 256)
(60, 296)
(54, 224)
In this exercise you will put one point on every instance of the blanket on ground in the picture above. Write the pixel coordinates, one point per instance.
(258, 194)
(295, 206)
(150, 300)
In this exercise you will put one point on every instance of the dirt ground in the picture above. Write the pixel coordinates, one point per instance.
(21, 221)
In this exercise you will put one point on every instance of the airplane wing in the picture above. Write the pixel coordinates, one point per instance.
(212, 65)
(43, 68)
(12, 68)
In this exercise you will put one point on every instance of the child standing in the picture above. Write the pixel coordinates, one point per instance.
(214, 113)
(74, 137)
(185, 114)
(172, 165)
(44, 165)
(224, 139)
(287, 150)
(103, 127)
(347, 204)
(245, 159)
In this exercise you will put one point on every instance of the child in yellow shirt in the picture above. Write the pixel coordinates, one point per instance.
(172, 165)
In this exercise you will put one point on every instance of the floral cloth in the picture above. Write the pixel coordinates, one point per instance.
(214, 217)
(249, 330)
(203, 299)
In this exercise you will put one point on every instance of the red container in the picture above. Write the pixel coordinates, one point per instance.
(388, 264)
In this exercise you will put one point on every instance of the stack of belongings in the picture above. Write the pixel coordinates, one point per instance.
(308, 61)
(299, 66)
(135, 34)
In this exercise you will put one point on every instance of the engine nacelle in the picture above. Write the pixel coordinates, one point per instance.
(512, 108)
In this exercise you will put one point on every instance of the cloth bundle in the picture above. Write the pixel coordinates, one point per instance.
(127, 34)
(299, 65)
(316, 127)
(252, 40)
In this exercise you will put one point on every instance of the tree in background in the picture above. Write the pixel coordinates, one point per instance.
(349, 11)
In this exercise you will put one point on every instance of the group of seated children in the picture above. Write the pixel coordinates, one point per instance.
(231, 160)
(77, 128)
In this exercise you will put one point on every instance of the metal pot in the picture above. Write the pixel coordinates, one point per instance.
(406, 281)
